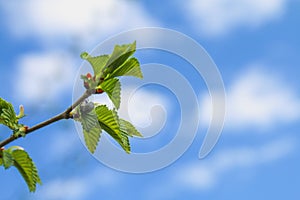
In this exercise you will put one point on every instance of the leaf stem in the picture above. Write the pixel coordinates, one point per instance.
(63, 115)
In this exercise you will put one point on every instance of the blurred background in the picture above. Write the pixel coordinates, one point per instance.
(253, 43)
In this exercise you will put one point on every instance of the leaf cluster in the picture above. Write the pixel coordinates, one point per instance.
(95, 118)
(9, 118)
(19, 158)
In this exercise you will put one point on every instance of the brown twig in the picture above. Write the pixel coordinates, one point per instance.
(64, 115)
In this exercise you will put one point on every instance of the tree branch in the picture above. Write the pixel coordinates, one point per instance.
(63, 115)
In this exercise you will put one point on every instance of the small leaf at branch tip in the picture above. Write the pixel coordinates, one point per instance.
(21, 113)
(21, 107)
(84, 55)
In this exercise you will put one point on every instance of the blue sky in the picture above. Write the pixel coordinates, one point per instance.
(255, 45)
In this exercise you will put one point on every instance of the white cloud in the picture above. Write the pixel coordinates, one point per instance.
(63, 189)
(256, 99)
(205, 174)
(88, 20)
(78, 187)
(43, 76)
(140, 106)
(216, 17)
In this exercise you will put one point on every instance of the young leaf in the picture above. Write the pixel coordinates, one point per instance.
(4, 104)
(109, 121)
(88, 120)
(119, 56)
(128, 129)
(98, 62)
(7, 159)
(27, 168)
(91, 137)
(113, 89)
(124, 142)
(130, 68)
(90, 126)
(7, 114)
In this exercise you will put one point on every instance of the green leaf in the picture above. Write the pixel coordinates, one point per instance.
(8, 160)
(27, 168)
(109, 121)
(119, 56)
(91, 129)
(4, 104)
(124, 142)
(113, 89)
(97, 63)
(128, 129)
(88, 120)
(7, 114)
(92, 137)
(130, 68)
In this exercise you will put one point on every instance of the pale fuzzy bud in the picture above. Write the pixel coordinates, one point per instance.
(21, 113)
(21, 109)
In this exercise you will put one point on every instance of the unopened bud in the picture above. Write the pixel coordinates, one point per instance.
(23, 129)
(21, 112)
(99, 91)
(88, 75)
